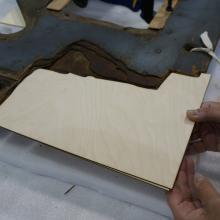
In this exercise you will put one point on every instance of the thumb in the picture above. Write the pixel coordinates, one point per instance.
(196, 115)
(204, 190)
(204, 114)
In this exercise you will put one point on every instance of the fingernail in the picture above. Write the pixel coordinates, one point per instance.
(193, 112)
(198, 179)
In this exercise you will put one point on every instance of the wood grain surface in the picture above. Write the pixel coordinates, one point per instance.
(161, 17)
(58, 5)
(137, 131)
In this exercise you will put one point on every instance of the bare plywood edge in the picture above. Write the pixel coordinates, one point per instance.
(161, 17)
(137, 131)
(58, 5)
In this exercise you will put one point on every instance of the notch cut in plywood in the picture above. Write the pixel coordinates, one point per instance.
(137, 131)
(58, 5)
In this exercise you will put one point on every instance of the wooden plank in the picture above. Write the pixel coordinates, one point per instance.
(161, 17)
(137, 131)
(58, 5)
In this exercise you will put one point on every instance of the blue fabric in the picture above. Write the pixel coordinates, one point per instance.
(146, 7)
(127, 3)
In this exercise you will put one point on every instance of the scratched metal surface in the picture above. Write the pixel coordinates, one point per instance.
(144, 54)
(144, 58)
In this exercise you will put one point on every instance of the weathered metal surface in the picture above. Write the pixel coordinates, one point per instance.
(144, 58)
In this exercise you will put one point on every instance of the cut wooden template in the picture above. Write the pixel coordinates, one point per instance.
(11, 14)
(137, 131)
(58, 5)
(161, 17)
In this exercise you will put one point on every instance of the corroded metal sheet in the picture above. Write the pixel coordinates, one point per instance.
(67, 43)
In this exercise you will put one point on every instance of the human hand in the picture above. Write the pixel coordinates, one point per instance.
(181, 199)
(206, 134)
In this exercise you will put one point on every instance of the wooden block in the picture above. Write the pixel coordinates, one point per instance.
(137, 131)
(58, 5)
(161, 17)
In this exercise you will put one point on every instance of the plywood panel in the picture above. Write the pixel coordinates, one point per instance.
(137, 131)
(58, 5)
(161, 17)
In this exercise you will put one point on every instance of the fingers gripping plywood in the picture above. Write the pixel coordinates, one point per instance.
(137, 131)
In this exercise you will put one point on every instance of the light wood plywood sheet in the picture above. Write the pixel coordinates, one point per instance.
(137, 131)
(160, 19)
(58, 5)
